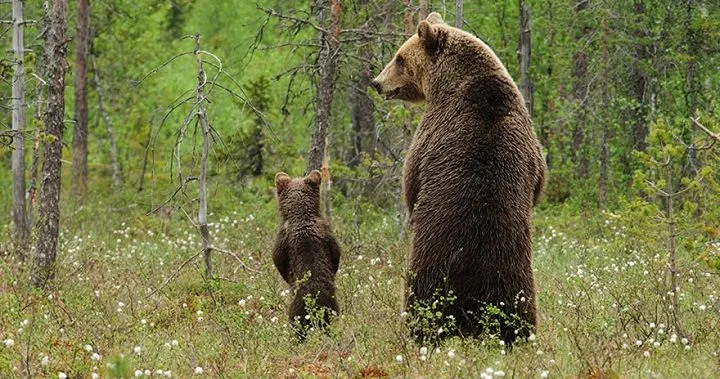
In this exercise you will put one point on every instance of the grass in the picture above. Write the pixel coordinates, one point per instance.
(601, 277)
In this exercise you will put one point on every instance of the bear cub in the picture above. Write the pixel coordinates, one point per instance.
(306, 252)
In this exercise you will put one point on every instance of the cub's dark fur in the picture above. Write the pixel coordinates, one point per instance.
(306, 252)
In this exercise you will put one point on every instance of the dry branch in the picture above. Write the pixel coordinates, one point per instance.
(710, 133)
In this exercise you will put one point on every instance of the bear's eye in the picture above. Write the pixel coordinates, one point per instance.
(400, 60)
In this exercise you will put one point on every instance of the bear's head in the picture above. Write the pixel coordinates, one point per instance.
(298, 198)
(405, 77)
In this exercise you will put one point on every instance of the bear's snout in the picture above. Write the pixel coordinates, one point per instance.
(376, 84)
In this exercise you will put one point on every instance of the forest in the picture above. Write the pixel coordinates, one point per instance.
(139, 146)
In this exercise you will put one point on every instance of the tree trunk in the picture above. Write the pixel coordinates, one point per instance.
(205, 128)
(580, 64)
(459, 14)
(49, 212)
(116, 168)
(408, 19)
(327, 65)
(422, 10)
(19, 209)
(524, 51)
(362, 115)
(80, 129)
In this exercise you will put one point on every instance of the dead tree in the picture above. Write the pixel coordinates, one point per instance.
(202, 180)
(198, 114)
(116, 168)
(49, 211)
(459, 14)
(327, 67)
(19, 210)
(80, 129)
(524, 51)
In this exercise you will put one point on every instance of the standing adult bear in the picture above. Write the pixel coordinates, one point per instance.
(472, 174)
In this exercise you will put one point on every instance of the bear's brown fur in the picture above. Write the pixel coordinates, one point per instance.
(306, 252)
(472, 174)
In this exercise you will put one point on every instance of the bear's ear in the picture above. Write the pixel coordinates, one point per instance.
(434, 18)
(281, 181)
(428, 35)
(314, 178)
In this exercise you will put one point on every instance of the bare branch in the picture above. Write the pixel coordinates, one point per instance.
(174, 274)
(272, 12)
(710, 133)
(169, 199)
(230, 253)
(158, 68)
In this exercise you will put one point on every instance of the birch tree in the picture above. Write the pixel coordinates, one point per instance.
(19, 210)
(117, 179)
(49, 210)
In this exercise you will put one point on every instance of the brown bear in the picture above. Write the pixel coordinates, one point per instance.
(472, 174)
(306, 252)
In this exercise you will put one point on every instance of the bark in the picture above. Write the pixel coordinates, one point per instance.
(19, 210)
(80, 129)
(327, 65)
(524, 52)
(49, 211)
(408, 19)
(116, 168)
(202, 180)
(459, 14)
(580, 64)
(422, 10)
(362, 115)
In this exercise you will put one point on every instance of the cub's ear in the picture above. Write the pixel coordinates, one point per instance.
(434, 18)
(428, 35)
(281, 181)
(314, 178)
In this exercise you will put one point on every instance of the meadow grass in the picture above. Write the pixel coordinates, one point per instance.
(602, 285)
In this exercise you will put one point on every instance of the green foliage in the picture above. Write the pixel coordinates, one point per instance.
(602, 276)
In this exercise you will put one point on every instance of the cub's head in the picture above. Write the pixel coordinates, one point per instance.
(298, 198)
(405, 77)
